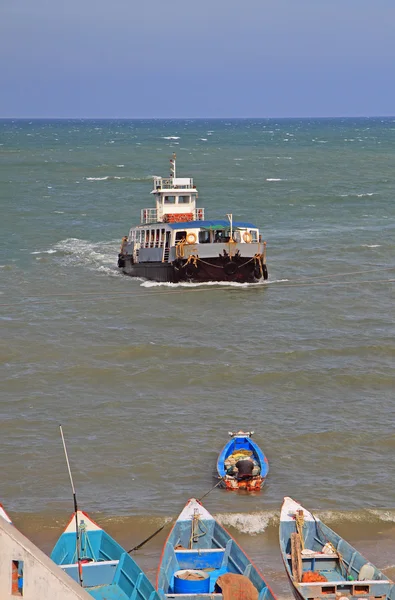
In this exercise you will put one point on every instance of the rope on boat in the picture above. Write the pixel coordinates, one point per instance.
(213, 488)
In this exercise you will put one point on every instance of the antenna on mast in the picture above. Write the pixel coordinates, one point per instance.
(173, 166)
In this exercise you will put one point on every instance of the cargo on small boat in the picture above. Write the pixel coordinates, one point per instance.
(175, 242)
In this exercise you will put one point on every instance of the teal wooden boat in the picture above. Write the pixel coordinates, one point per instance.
(321, 564)
(199, 557)
(107, 572)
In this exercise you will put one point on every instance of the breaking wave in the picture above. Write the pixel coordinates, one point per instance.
(97, 256)
(116, 177)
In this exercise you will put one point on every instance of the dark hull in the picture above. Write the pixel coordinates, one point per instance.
(212, 269)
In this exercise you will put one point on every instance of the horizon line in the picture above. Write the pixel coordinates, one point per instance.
(389, 116)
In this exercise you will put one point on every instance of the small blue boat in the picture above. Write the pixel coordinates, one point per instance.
(106, 570)
(241, 447)
(200, 558)
(321, 564)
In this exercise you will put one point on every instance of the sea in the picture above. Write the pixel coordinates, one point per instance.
(147, 379)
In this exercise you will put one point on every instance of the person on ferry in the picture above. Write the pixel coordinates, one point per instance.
(217, 238)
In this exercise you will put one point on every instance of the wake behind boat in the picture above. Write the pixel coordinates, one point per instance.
(106, 571)
(201, 559)
(175, 242)
(242, 464)
(321, 564)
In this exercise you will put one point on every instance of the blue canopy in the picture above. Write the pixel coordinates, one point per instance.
(215, 224)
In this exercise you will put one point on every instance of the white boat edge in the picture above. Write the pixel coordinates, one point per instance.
(81, 517)
(289, 508)
(4, 515)
(192, 508)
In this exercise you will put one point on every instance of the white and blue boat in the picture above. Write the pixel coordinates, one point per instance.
(200, 558)
(174, 240)
(242, 445)
(321, 564)
(100, 564)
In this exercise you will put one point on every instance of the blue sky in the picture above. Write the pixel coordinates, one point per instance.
(201, 58)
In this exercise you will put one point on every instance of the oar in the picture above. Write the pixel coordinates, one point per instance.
(75, 510)
(147, 540)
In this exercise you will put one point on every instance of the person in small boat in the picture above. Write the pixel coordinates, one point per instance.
(245, 467)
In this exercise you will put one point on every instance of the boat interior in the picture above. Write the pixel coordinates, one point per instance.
(105, 578)
(323, 564)
(211, 552)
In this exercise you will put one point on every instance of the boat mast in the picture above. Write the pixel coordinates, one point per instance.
(75, 511)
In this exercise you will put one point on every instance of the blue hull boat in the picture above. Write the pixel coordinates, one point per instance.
(108, 572)
(321, 564)
(242, 446)
(200, 558)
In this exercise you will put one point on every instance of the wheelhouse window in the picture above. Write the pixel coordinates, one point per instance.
(184, 199)
(254, 235)
(204, 237)
(170, 199)
(237, 236)
(180, 235)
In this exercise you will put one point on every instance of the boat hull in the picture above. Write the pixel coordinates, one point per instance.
(211, 269)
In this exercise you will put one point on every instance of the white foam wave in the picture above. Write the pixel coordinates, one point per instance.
(354, 195)
(371, 245)
(189, 284)
(252, 523)
(170, 137)
(59, 212)
(120, 166)
(203, 139)
(44, 252)
(105, 178)
(99, 256)
(274, 179)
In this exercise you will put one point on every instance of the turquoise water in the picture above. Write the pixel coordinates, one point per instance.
(147, 379)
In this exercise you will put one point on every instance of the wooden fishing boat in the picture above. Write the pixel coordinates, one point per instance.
(201, 559)
(175, 242)
(321, 564)
(242, 446)
(103, 567)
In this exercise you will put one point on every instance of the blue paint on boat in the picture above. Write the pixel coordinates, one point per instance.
(108, 572)
(325, 553)
(198, 542)
(242, 441)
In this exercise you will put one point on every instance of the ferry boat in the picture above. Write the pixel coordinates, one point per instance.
(175, 242)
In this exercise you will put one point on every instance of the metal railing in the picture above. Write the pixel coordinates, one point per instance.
(198, 214)
(149, 215)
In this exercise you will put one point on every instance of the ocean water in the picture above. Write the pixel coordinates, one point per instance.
(147, 379)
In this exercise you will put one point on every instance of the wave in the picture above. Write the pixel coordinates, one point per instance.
(115, 177)
(355, 195)
(274, 179)
(188, 284)
(170, 137)
(252, 523)
(97, 256)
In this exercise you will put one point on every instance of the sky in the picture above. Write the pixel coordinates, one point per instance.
(196, 58)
